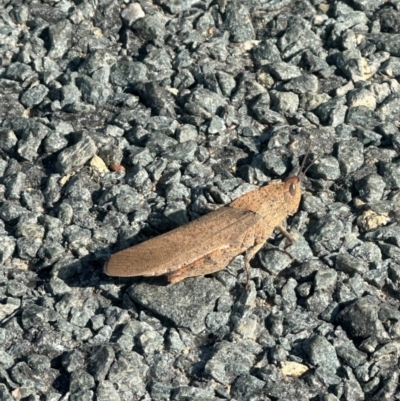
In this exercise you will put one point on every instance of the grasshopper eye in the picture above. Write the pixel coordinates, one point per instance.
(292, 189)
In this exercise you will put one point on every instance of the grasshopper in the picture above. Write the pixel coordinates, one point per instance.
(209, 244)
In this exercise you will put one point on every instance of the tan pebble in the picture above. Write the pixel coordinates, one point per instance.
(293, 369)
(98, 163)
(371, 220)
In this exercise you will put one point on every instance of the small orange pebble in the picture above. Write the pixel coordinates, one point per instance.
(117, 167)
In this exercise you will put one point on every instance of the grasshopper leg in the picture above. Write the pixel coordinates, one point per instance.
(208, 264)
(290, 239)
(250, 253)
(286, 234)
(217, 260)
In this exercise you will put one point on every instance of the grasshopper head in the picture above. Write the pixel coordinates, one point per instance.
(292, 190)
(292, 187)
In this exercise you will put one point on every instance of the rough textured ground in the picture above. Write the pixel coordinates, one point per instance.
(120, 121)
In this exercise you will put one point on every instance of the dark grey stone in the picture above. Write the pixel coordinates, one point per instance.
(100, 362)
(14, 185)
(28, 247)
(204, 103)
(82, 395)
(389, 20)
(31, 137)
(8, 139)
(128, 200)
(364, 117)
(66, 268)
(157, 98)
(231, 360)
(370, 137)
(4, 393)
(330, 313)
(177, 6)
(27, 227)
(80, 380)
(227, 83)
(16, 289)
(284, 102)
(60, 36)
(173, 302)
(389, 106)
(215, 320)
(238, 23)
(75, 156)
(177, 192)
(8, 247)
(354, 66)
(360, 318)
(350, 156)
(332, 112)
(70, 95)
(321, 353)
(151, 342)
(106, 391)
(54, 142)
(186, 133)
(10, 211)
(35, 316)
(266, 52)
(139, 179)
(325, 280)
(76, 236)
(18, 71)
(39, 363)
(349, 353)
(246, 386)
(9, 307)
(183, 152)
(129, 370)
(32, 381)
(302, 84)
(139, 155)
(34, 96)
(160, 391)
(174, 342)
(80, 316)
(297, 37)
(262, 112)
(371, 187)
(391, 174)
(326, 168)
(284, 71)
(391, 67)
(72, 360)
(183, 79)
(93, 92)
(217, 125)
(97, 65)
(350, 264)
(52, 191)
(150, 27)
(189, 392)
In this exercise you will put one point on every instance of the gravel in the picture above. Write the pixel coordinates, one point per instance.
(122, 120)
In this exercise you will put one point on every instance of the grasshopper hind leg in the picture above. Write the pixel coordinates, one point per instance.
(250, 243)
(208, 264)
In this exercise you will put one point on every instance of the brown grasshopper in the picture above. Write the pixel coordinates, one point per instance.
(209, 243)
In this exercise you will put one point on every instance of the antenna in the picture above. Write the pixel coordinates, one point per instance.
(301, 173)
